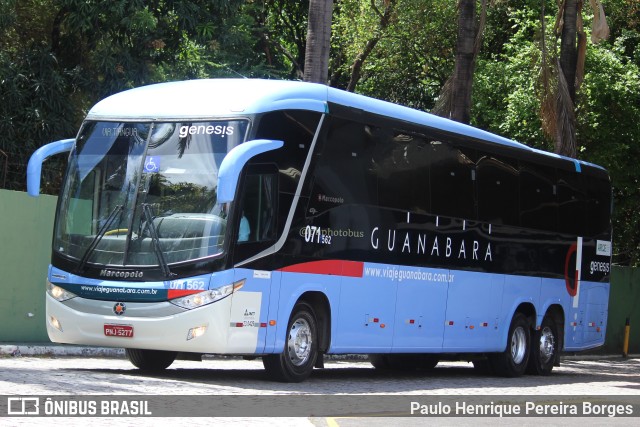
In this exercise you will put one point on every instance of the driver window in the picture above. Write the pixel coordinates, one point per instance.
(258, 214)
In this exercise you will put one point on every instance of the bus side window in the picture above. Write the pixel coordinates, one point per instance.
(538, 205)
(401, 164)
(257, 222)
(497, 191)
(598, 205)
(452, 187)
(571, 203)
(345, 170)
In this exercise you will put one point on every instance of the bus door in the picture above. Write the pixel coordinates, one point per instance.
(256, 217)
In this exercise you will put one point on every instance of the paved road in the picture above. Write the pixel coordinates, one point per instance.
(51, 376)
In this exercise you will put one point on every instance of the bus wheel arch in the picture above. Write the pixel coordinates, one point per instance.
(306, 339)
(513, 361)
(322, 309)
(546, 342)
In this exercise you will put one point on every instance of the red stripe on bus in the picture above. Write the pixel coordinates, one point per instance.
(177, 293)
(330, 267)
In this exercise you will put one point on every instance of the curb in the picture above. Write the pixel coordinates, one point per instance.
(17, 350)
(70, 350)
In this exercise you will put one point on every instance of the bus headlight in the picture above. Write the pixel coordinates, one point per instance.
(58, 293)
(207, 297)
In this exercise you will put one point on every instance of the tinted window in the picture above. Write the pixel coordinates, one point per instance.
(571, 203)
(452, 173)
(497, 181)
(598, 206)
(402, 169)
(538, 205)
(345, 172)
(296, 129)
(258, 217)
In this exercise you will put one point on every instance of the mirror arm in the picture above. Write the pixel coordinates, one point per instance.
(34, 167)
(234, 161)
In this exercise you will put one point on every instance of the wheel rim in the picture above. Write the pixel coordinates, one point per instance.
(547, 344)
(300, 342)
(518, 345)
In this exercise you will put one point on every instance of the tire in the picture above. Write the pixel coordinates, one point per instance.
(482, 366)
(404, 362)
(544, 348)
(298, 358)
(150, 360)
(513, 361)
(379, 361)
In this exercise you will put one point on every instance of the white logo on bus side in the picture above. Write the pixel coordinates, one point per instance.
(603, 248)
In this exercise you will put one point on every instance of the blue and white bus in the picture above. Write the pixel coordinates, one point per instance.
(288, 220)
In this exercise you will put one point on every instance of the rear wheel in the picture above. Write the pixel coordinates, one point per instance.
(544, 348)
(297, 360)
(150, 360)
(513, 361)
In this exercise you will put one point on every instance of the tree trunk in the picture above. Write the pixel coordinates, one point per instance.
(566, 123)
(316, 61)
(568, 47)
(465, 58)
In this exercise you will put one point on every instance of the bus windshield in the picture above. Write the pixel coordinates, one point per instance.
(145, 194)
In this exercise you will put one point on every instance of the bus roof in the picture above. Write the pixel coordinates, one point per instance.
(207, 98)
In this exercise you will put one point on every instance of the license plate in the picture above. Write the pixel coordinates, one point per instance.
(122, 331)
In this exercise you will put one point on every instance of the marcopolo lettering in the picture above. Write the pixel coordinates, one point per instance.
(122, 274)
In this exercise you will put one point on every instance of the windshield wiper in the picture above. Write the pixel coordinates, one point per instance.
(153, 231)
(98, 237)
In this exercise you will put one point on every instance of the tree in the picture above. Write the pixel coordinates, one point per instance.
(316, 61)
(608, 119)
(566, 98)
(455, 99)
(405, 59)
(385, 19)
(58, 57)
(285, 34)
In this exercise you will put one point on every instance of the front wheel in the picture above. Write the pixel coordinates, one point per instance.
(150, 360)
(296, 362)
(544, 348)
(513, 361)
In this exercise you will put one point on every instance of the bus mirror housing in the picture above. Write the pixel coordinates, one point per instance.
(235, 160)
(34, 167)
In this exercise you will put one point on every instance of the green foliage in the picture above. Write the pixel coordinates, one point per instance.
(58, 57)
(608, 111)
(284, 34)
(609, 131)
(413, 58)
(35, 109)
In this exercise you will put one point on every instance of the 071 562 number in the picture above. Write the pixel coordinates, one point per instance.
(313, 234)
